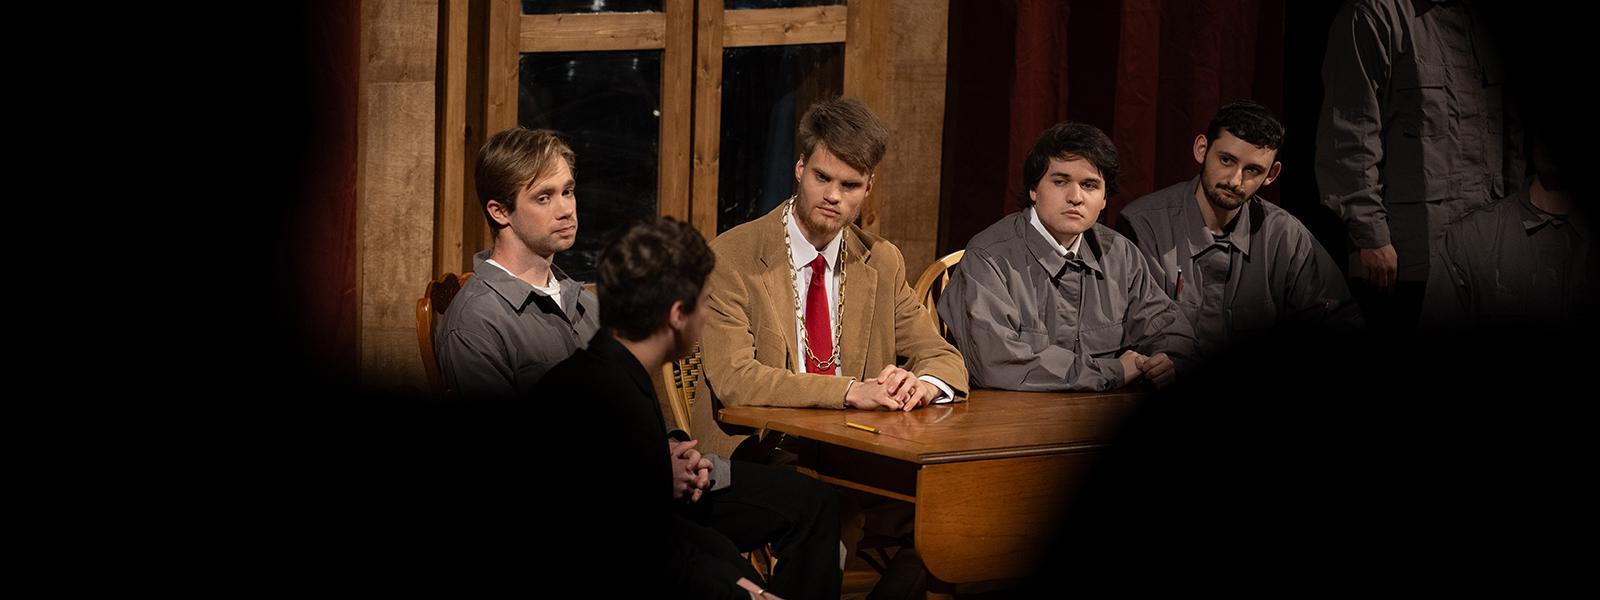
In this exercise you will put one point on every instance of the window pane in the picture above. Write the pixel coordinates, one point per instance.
(765, 89)
(737, 4)
(554, 7)
(608, 106)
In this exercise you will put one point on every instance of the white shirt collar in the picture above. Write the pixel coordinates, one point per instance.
(502, 267)
(800, 250)
(552, 290)
(1033, 217)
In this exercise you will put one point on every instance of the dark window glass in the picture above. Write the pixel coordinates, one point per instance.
(765, 89)
(607, 105)
(555, 7)
(737, 4)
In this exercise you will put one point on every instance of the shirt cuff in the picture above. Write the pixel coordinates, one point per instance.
(1113, 365)
(949, 394)
(721, 472)
(1369, 234)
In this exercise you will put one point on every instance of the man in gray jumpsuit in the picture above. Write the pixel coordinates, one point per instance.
(1524, 261)
(1049, 299)
(1413, 133)
(1235, 264)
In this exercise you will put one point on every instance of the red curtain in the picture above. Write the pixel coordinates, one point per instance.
(324, 224)
(1150, 73)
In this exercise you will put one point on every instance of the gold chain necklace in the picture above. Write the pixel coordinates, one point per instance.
(805, 343)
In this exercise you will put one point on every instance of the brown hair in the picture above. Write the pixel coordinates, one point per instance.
(849, 130)
(644, 268)
(514, 158)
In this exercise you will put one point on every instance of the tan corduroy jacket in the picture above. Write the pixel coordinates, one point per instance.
(749, 343)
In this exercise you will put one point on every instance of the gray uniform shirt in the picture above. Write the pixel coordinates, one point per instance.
(1512, 264)
(1413, 130)
(1027, 318)
(499, 335)
(1267, 269)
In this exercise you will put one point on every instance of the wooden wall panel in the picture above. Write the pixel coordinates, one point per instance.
(474, 227)
(591, 32)
(895, 62)
(909, 216)
(675, 173)
(707, 117)
(502, 61)
(866, 71)
(396, 133)
(777, 26)
(449, 250)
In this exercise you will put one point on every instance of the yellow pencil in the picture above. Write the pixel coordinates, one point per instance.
(861, 427)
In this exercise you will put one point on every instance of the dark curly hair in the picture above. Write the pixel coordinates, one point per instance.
(644, 268)
(1247, 121)
(1068, 141)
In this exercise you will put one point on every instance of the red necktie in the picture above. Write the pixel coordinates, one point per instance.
(819, 332)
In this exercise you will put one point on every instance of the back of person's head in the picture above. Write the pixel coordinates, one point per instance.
(1070, 141)
(513, 159)
(646, 267)
(1247, 121)
(848, 129)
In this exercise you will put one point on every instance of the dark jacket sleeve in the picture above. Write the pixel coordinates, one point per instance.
(1355, 76)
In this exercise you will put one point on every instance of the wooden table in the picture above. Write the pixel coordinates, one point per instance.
(988, 476)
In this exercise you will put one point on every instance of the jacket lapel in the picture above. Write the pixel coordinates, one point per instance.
(778, 280)
(861, 297)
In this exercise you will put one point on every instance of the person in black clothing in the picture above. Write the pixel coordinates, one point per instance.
(652, 287)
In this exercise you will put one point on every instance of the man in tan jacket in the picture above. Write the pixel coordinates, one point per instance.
(808, 310)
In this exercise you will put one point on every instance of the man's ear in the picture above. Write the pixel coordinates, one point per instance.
(677, 317)
(799, 167)
(1273, 173)
(1200, 145)
(498, 212)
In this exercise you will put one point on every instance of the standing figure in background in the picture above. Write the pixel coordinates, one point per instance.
(1522, 263)
(1413, 133)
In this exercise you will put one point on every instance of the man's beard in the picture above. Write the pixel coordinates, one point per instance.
(811, 224)
(1220, 200)
(821, 228)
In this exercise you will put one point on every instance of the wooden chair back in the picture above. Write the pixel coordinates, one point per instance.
(681, 379)
(932, 283)
(436, 298)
